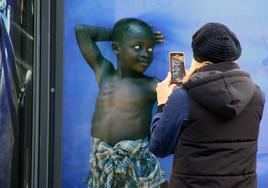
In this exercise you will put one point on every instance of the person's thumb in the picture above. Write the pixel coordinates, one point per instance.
(173, 86)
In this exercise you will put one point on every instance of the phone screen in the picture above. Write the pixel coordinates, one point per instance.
(177, 67)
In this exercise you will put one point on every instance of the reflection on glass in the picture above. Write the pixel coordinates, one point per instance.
(17, 27)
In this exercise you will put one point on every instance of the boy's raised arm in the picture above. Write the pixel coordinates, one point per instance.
(86, 37)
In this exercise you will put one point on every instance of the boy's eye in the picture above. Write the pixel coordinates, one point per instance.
(150, 49)
(137, 47)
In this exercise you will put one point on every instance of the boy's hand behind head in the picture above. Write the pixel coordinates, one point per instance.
(158, 37)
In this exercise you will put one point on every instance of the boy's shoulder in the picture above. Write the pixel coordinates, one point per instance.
(152, 81)
(149, 78)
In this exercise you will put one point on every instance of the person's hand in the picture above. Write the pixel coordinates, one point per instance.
(158, 37)
(186, 77)
(164, 89)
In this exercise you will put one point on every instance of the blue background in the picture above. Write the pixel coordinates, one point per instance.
(177, 20)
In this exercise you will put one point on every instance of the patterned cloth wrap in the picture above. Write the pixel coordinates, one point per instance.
(128, 164)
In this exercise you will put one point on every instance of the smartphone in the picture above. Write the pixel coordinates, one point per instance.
(177, 67)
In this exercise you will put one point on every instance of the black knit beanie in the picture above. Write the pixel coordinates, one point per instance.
(216, 43)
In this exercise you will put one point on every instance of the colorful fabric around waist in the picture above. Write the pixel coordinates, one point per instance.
(128, 164)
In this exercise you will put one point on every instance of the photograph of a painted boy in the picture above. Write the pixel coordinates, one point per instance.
(120, 154)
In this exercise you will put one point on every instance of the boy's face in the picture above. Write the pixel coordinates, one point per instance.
(136, 49)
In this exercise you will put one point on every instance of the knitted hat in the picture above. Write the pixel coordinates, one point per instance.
(215, 42)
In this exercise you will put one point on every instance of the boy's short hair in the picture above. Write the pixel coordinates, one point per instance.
(123, 26)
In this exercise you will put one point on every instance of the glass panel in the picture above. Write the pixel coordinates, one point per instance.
(16, 91)
(177, 20)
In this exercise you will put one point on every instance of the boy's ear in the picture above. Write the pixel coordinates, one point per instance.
(115, 47)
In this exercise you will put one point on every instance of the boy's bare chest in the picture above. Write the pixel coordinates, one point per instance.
(127, 91)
